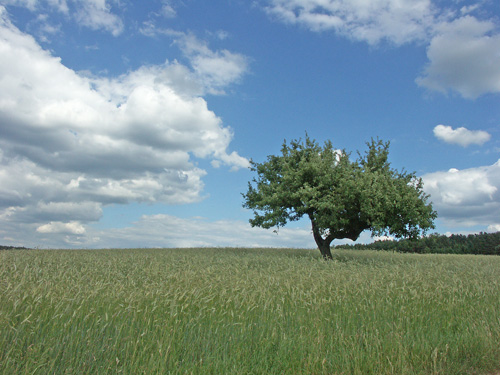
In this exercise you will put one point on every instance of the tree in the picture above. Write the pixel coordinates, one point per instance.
(342, 198)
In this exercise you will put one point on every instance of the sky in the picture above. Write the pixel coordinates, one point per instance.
(131, 123)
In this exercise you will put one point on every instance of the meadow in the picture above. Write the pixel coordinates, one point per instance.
(247, 311)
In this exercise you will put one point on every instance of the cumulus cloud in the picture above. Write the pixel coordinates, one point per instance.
(461, 136)
(462, 49)
(396, 21)
(62, 228)
(464, 57)
(466, 197)
(71, 143)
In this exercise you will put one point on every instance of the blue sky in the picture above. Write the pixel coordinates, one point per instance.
(130, 123)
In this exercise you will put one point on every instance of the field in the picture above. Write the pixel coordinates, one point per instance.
(239, 311)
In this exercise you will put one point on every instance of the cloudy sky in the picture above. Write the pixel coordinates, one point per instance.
(130, 123)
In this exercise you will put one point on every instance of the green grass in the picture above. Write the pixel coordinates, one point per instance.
(213, 311)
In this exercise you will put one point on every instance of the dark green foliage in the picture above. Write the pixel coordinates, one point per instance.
(3, 247)
(341, 197)
(482, 243)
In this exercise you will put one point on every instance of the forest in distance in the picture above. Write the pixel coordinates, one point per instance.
(479, 244)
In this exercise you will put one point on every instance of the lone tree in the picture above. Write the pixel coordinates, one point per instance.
(342, 198)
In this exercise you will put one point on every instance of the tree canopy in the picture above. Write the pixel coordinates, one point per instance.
(341, 197)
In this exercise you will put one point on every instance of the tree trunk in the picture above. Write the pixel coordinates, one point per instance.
(324, 248)
(323, 243)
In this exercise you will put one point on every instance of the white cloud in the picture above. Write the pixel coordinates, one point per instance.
(463, 57)
(46, 29)
(60, 5)
(469, 9)
(32, 5)
(218, 69)
(70, 144)
(494, 228)
(466, 197)
(29, 4)
(62, 228)
(397, 21)
(215, 70)
(96, 14)
(167, 10)
(461, 136)
(462, 51)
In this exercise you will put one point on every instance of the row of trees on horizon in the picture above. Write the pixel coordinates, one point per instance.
(479, 244)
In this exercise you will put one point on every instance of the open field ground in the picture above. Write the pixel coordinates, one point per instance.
(223, 311)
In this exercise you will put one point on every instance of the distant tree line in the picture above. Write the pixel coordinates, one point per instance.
(3, 247)
(482, 243)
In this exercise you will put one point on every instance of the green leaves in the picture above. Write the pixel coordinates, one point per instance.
(341, 197)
